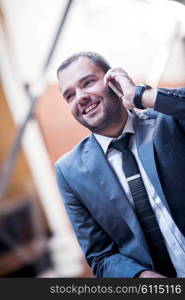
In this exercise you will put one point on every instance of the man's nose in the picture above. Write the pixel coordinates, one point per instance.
(81, 97)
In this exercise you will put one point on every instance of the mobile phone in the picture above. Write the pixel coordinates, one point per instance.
(115, 90)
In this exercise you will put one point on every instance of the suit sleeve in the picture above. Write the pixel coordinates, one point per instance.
(172, 102)
(100, 251)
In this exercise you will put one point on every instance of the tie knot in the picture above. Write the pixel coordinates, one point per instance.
(121, 144)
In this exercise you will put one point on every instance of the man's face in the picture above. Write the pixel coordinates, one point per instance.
(93, 105)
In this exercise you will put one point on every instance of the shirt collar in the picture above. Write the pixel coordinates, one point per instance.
(105, 141)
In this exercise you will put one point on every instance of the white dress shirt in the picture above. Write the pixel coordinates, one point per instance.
(174, 240)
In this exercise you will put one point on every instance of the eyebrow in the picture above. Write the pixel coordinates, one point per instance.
(81, 80)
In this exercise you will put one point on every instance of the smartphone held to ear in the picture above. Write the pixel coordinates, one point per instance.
(115, 89)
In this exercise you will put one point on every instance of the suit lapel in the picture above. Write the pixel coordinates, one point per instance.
(105, 178)
(144, 141)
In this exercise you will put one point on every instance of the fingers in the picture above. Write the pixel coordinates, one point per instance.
(114, 74)
(124, 83)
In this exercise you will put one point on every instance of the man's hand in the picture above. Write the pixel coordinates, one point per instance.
(150, 274)
(127, 87)
(124, 83)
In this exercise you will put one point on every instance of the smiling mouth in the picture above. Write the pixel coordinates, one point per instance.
(91, 107)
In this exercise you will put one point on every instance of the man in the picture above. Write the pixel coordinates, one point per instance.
(127, 213)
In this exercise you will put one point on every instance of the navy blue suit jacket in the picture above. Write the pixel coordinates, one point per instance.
(104, 222)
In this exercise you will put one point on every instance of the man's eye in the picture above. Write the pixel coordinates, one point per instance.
(70, 97)
(88, 82)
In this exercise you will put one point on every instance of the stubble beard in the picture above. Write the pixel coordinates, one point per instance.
(108, 120)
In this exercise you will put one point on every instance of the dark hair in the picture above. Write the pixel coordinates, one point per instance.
(96, 58)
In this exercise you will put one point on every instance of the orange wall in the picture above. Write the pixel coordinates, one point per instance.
(60, 130)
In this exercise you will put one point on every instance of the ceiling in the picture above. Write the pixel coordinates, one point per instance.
(144, 37)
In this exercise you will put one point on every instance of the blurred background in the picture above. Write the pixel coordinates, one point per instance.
(146, 38)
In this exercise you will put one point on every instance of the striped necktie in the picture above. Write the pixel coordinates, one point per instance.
(143, 209)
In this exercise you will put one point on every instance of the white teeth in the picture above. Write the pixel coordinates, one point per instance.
(90, 108)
